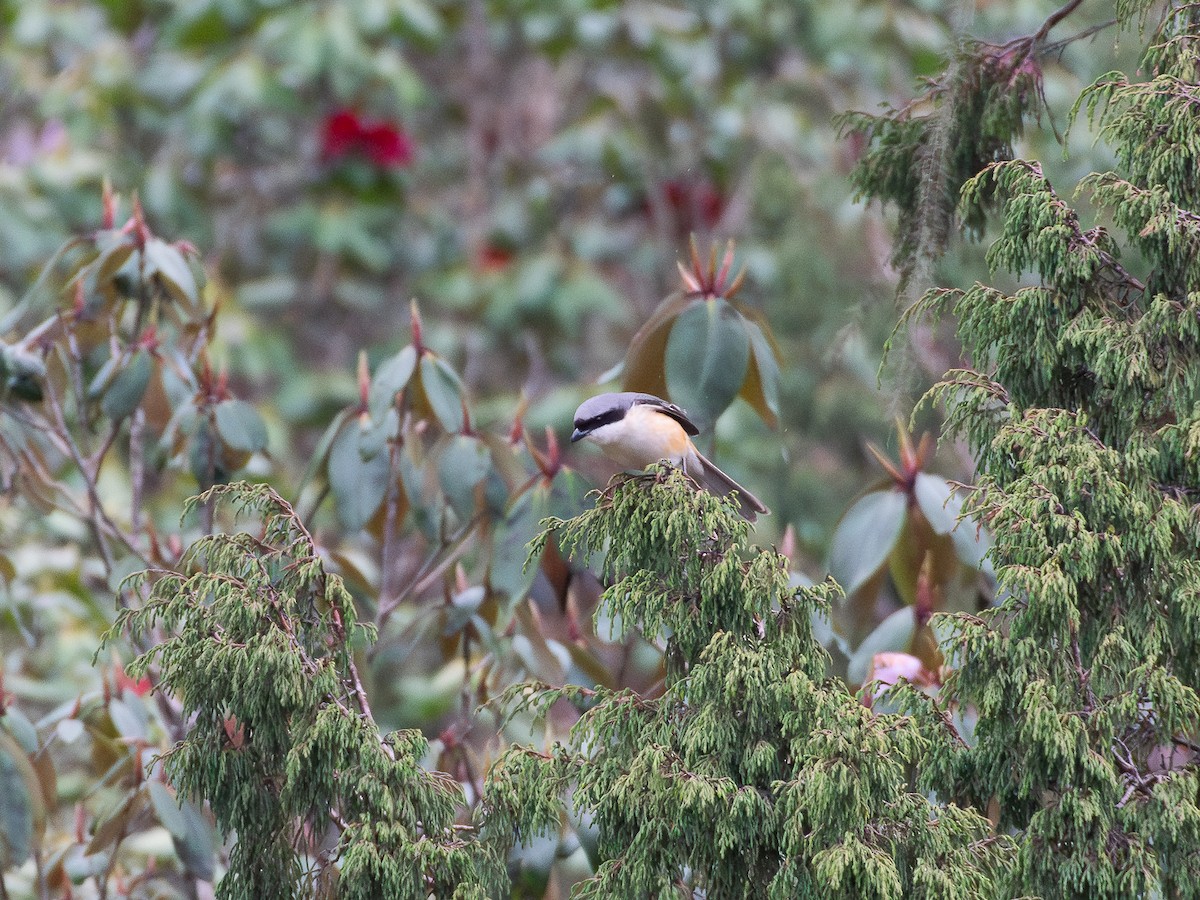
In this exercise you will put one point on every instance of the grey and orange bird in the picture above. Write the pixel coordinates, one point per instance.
(635, 430)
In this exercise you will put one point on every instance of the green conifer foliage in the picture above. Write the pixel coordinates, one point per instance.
(258, 646)
(1084, 410)
(751, 775)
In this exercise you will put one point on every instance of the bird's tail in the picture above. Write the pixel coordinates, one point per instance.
(717, 482)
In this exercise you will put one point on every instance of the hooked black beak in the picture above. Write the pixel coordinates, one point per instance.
(577, 435)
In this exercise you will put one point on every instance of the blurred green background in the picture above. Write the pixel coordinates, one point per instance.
(558, 156)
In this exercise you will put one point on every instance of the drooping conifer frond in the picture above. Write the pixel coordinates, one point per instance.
(919, 156)
(751, 775)
(258, 647)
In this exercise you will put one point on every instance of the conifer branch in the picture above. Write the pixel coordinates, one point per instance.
(1081, 673)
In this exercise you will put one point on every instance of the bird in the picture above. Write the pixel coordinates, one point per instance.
(635, 430)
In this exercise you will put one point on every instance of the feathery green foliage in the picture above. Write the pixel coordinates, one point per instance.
(1084, 411)
(751, 774)
(257, 642)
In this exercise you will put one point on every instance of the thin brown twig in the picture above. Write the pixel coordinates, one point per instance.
(1054, 18)
(95, 511)
(391, 531)
(39, 868)
(137, 468)
(449, 550)
(1056, 46)
(1085, 680)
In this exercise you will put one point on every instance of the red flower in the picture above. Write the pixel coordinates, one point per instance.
(493, 257)
(345, 134)
(693, 204)
(340, 135)
(141, 687)
(387, 145)
(694, 200)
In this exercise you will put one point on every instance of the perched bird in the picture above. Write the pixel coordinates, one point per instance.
(635, 430)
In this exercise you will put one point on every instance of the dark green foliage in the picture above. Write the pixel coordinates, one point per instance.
(258, 647)
(1084, 411)
(750, 774)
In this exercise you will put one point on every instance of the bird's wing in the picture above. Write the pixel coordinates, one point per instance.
(669, 409)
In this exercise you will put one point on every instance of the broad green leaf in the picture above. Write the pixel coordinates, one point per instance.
(240, 426)
(69, 730)
(130, 718)
(110, 830)
(115, 251)
(205, 458)
(375, 433)
(166, 809)
(544, 659)
(36, 292)
(942, 508)
(865, 537)
(645, 364)
(586, 668)
(19, 361)
(359, 484)
(128, 387)
(706, 359)
(22, 814)
(938, 502)
(508, 573)
(761, 388)
(462, 467)
(444, 391)
(462, 608)
(324, 445)
(919, 546)
(197, 847)
(825, 635)
(391, 378)
(103, 378)
(973, 542)
(100, 277)
(893, 633)
(173, 271)
(23, 731)
(79, 865)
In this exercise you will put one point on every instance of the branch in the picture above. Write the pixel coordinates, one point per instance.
(390, 532)
(1085, 679)
(1057, 46)
(1055, 17)
(449, 551)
